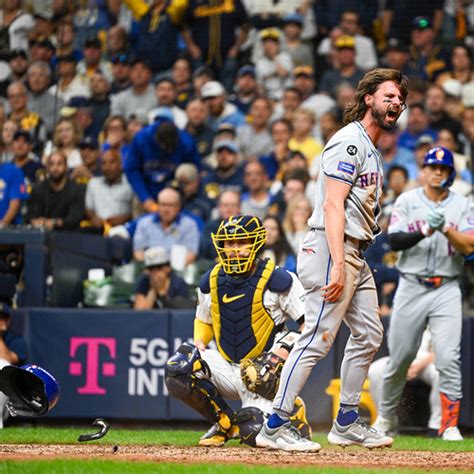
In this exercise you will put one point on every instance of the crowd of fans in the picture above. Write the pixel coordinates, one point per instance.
(155, 120)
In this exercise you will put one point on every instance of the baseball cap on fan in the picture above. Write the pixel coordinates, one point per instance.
(75, 103)
(156, 257)
(203, 71)
(424, 140)
(345, 42)
(396, 45)
(227, 145)
(270, 34)
(453, 88)
(212, 89)
(226, 128)
(246, 70)
(44, 14)
(161, 113)
(421, 23)
(89, 142)
(20, 133)
(303, 70)
(93, 41)
(294, 18)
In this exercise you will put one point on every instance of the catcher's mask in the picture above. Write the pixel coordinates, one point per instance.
(441, 156)
(32, 390)
(245, 229)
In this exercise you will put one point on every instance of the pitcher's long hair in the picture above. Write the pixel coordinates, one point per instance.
(357, 108)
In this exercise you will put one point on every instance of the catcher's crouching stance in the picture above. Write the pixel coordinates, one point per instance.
(243, 305)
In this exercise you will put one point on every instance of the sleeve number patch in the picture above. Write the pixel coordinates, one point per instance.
(352, 150)
(346, 167)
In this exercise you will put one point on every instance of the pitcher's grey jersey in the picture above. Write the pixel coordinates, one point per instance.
(434, 255)
(351, 157)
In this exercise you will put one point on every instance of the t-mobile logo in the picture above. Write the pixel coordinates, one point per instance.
(92, 356)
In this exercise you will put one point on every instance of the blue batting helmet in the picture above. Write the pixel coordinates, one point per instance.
(32, 390)
(441, 156)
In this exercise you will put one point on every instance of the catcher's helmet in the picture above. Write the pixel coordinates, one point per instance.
(32, 390)
(239, 228)
(441, 156)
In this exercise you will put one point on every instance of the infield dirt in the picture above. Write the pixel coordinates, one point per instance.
(388, 458)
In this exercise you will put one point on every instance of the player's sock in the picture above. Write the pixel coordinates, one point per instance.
(347, 414)
(449, 412)
(275, 421)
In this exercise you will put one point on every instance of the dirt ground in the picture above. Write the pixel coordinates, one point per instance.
(349, 457)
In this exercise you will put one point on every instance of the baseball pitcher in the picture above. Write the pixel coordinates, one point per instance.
(338, 282)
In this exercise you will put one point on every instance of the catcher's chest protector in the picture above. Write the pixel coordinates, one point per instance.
(243, 328)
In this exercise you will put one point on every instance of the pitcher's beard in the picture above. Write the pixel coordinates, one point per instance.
(380, 119)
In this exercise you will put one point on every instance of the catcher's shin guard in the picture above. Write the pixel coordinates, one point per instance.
(186, 376)
(298, 418)
(250, 422)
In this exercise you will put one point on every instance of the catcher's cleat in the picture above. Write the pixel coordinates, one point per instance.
(217, 436)
(298, 419)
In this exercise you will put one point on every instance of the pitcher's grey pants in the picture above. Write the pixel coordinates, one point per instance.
(357, 307)
(415, 306)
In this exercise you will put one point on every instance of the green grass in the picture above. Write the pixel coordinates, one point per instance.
(115, 467)
(120, 436)
(49, 435)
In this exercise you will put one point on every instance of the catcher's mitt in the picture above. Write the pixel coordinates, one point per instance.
(262, 374)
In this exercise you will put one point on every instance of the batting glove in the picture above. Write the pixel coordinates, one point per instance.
(435, 219)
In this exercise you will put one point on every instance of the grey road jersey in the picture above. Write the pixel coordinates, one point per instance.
(351, 157)
(434, 255)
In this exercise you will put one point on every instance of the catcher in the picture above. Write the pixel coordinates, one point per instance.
(243, 303)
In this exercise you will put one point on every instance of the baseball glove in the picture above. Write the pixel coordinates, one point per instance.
(261, 375)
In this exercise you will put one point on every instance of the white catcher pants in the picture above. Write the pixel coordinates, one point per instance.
(226, 377)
